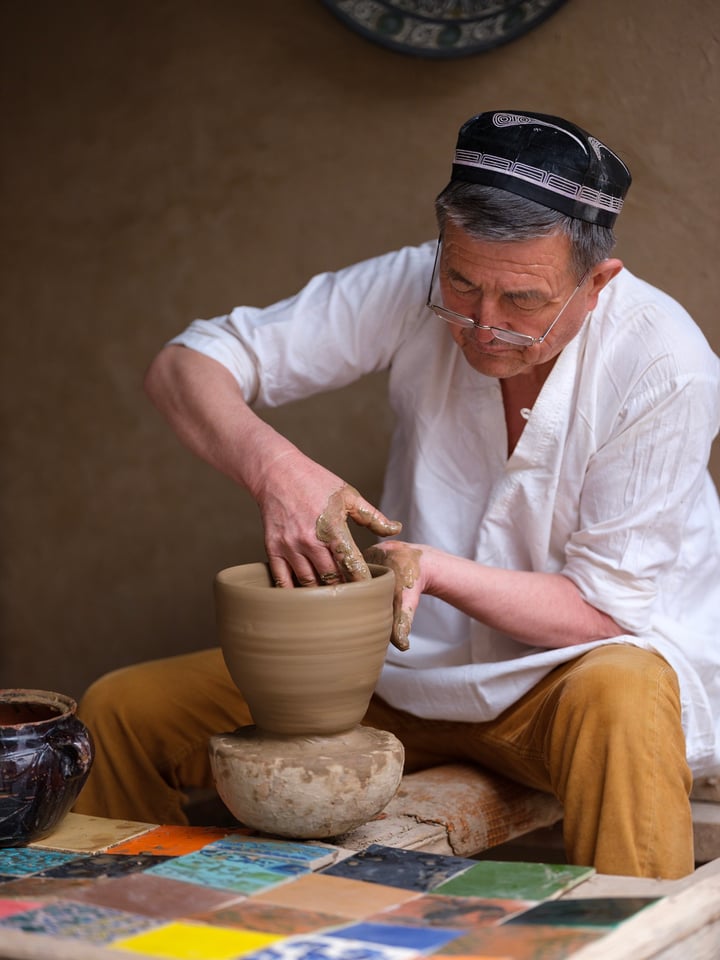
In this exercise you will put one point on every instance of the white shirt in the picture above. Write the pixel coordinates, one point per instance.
(607, 485)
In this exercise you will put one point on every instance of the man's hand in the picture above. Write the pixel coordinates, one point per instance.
(305, 509)
(404, 559)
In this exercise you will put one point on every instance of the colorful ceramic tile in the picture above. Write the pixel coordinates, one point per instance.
(22, 861)
(330, 948)
(8, 907)
(436, 910)
(155, 896)
(589, 912)
(514, 881)
(407, 869)
(188, 941)
(100, 865)
(420, 939)
(252, 914)
(227, 872)
(519, 942)
(353, 899)
(29, 888)
(174, 841)
(78, 921)
(228, 853)
(313, 855)
(85, 834)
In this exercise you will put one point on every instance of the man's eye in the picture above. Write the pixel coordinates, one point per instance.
(461, 288)
(526, 304)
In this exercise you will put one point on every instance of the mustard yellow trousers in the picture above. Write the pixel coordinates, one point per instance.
(602, 733)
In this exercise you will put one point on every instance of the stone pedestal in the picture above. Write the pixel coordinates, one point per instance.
(306, 787)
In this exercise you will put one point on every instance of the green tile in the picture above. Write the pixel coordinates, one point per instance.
(514, 881)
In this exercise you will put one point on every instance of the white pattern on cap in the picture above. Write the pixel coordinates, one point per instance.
(517, 120)
(543, 178)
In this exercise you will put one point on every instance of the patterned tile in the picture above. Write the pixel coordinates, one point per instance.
(252, 914)
(408, 869)
(228, 871)
(21, 861)
(77, 920)
(313, 856)
(173, 841)
(100, 865)
(330, 948)
(514, 881)
(436, 910)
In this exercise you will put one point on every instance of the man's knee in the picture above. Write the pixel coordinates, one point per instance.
(621, 683)
(116, 697)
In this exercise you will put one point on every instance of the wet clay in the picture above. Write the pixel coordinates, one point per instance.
(45, 757)
(306, 660)
(405, 563)
(331, 528)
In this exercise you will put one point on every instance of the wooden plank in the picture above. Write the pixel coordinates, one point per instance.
(706, 831)
(707, 788)
(691, 916)
(478, 810)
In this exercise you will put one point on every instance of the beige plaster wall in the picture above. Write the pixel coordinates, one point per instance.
(168, 160)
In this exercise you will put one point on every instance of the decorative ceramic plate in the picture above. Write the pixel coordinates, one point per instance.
(442, 28)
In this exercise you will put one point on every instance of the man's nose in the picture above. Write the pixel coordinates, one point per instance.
(482, 335)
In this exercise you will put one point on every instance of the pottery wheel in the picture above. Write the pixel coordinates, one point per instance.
(307, 786)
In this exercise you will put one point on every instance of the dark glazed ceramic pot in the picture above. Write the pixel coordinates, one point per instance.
(45, 757)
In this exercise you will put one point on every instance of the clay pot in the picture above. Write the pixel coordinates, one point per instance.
(307, 659)
(45, 757)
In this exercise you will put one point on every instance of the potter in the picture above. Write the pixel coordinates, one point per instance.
(553, 416)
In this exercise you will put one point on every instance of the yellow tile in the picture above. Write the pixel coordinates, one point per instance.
(191, 941)
(78, 833)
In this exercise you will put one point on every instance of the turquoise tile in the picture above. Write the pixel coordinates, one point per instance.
(22, 861)
(312, 855)
(228, 871)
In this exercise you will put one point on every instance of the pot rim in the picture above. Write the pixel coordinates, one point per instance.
(30, 695)
(227, 579)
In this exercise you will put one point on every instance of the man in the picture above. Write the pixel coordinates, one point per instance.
(558, 581)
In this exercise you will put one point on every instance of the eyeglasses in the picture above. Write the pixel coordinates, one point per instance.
(500, 333)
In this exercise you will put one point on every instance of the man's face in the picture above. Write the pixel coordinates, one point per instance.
(518, 285)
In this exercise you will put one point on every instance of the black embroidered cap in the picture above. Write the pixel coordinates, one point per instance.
(543, 158)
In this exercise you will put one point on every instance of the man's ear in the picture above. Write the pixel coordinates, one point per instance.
(600, 275)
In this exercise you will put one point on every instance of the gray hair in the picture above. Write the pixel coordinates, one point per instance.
(488, 213)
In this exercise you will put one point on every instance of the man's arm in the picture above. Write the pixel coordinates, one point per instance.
(540, 609)
(304, 507)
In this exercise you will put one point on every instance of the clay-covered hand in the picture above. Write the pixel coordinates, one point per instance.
(405, 560)
(305, 510)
